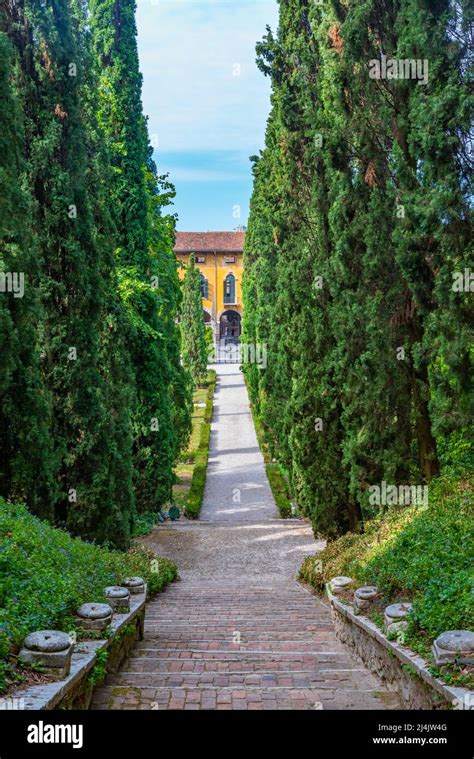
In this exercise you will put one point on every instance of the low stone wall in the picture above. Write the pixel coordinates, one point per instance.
(89, 664)
(402, 670)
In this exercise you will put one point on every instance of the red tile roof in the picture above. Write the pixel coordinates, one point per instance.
(208, 242)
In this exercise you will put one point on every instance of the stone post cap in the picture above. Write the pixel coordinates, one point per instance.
(340, 581)
(133, 582)
(116, 591)
(48, 641)
(366, 593)
(458, 641)
(398, 611)
(94, 611)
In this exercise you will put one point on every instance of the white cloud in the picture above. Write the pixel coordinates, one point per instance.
(190, 52)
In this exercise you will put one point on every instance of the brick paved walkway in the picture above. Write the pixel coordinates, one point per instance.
(238, 631)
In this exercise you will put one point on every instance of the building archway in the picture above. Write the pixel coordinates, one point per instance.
(230, 327)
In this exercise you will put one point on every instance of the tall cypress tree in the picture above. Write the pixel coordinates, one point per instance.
(133, 194)
(194, 350)
(49, 49)
(162, 234)
(27, 458)
(114, 355)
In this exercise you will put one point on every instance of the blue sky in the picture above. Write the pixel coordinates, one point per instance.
(206, 101)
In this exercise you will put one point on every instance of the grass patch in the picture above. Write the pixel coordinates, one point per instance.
(191, 472)
(45, 574)
(279, 486)
(423, 555)
(276, 474)
(191, 468)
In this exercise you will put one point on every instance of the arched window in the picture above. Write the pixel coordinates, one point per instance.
(204, 287)
(229, 289)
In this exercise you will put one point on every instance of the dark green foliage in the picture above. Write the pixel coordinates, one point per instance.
(277, 477)
(147, 274)
(71, 279)
(359, 221)
(195, 496)
(26, 454)
(193, 331)
(95, 404)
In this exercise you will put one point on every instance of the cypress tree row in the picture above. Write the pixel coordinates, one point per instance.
(194, 351)
(359, 226)
(96, 400)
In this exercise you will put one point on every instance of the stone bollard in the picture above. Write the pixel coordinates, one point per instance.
(395, 616)
(339, 584)
(454, 646)
(51, 649)
(135, 585)
(118, 598)
(364, 597)
(94, 616)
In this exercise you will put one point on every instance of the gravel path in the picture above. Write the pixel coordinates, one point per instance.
(237, 488)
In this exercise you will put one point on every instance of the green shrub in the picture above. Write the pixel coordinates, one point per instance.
(195, 496)
(144, 523)
(278, 485)
(45, 574)
(277, 477)
(422, 554)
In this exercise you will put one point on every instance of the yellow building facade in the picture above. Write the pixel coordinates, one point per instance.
(219, 258)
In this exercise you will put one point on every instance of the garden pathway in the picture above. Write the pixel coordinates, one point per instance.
(238, 631)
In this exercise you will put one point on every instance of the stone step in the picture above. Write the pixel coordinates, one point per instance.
(237, 698)
(266, 627)
(235, 607)
(245, 636)
(264, 664)
(350, 680)
(342, 658)
(269, 649)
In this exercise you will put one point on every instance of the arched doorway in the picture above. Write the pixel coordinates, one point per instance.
(230, 327)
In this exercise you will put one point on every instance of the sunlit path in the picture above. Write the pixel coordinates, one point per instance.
(237, 488)
(239, 631)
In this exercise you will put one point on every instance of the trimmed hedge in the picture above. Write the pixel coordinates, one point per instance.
(275, 473)
(195, 495)
(278, 484)
(45, 574)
